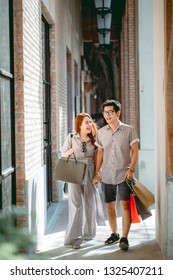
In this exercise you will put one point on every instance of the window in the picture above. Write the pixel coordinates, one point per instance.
(47, 106)
(7, 144)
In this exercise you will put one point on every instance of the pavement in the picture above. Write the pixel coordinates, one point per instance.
(142, 242)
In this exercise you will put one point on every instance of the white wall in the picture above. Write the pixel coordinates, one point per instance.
(146, 160)
(37, 203)
(152, 155)
(162, 205)
(49, 5)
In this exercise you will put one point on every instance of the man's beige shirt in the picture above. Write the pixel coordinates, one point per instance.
(117, 151)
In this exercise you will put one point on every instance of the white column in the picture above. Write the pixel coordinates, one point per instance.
(146, 94)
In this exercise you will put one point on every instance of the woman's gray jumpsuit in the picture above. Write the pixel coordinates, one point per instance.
(85, 206)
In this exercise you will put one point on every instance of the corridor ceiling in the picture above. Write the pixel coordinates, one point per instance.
(89, 20)
(102, 62)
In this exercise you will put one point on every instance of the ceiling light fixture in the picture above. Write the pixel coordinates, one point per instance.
(104, 17)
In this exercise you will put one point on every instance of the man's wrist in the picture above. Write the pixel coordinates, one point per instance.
(132, 169)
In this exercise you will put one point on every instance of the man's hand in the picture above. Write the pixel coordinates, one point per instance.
(128, 175)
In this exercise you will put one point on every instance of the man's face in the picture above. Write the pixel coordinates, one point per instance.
(110, 115)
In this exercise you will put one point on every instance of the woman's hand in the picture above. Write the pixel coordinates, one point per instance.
(68, 153)
(96, 179)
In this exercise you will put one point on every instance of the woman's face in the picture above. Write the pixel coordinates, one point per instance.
(86, 125)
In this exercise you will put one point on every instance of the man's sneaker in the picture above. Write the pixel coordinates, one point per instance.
(77, 243)
(124, 244)
(114, 238)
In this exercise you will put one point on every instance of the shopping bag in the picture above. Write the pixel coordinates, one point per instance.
(133, 210)
(145, 195)
(71, 170)
(143, 211)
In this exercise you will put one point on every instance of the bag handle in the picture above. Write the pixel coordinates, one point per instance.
(70, 157)
(129, 183)
(71, 136)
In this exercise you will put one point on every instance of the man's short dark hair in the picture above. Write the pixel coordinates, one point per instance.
(114, 103)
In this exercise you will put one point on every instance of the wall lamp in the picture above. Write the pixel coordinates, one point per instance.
(104, 17)
(103, 7)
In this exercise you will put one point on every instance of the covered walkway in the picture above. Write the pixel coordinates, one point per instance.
(143, 245)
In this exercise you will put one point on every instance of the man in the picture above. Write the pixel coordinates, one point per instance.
(117, 156)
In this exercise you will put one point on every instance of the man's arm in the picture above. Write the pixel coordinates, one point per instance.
(134, 155)
(134, 158)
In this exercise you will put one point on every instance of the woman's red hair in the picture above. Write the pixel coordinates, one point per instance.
(78, 122)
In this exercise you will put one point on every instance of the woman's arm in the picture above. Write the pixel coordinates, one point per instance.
(98, 163)
(67, 149)
(67, 153)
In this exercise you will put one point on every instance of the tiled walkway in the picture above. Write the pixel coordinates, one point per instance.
(143, 245)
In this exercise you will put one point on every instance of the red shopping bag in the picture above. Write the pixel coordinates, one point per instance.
(133, 210)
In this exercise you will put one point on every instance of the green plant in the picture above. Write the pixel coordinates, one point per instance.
(15, 242)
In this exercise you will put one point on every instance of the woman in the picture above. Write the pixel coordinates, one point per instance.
(85, 207)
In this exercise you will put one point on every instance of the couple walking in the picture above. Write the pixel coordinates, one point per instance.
(112, 153)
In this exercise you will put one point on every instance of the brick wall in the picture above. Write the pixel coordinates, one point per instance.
(125, 69)
(169, 87)
(66, 38)
(33, 95)
(28, 94)
(54, 111)
(128, 77)
(19, 101)
(28, 83)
